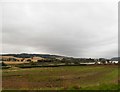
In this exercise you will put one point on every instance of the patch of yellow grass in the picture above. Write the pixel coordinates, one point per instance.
(14, 63)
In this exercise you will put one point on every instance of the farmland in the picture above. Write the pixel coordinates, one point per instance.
(94, 77)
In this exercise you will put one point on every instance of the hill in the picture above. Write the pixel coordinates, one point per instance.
(25, 55)
(115, 59)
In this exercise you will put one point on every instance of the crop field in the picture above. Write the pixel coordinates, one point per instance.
(94, 77)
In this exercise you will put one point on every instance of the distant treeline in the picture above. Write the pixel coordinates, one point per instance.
(25, 55)
(61, 59)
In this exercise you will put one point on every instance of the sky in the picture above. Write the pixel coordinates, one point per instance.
(77, 29)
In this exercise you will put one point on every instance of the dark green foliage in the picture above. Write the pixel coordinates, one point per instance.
(3, 64)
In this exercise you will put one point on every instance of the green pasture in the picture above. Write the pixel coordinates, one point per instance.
(94, 77)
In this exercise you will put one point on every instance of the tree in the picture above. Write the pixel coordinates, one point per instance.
(76, 62)
(108, 61)
(29, 60)
(3, 64)
(102, 60)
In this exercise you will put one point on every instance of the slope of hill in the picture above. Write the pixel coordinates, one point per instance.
(115, 59)
(25, 55)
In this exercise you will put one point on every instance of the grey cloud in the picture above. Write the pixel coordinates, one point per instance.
(60, 28)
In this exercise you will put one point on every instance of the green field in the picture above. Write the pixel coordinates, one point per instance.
(95, 77)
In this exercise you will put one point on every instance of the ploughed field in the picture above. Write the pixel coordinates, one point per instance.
(94, 77)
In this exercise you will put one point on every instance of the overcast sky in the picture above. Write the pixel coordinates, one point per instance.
(79, 29)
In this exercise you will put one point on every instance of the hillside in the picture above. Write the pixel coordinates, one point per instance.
(25, 55)
(115, 59)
